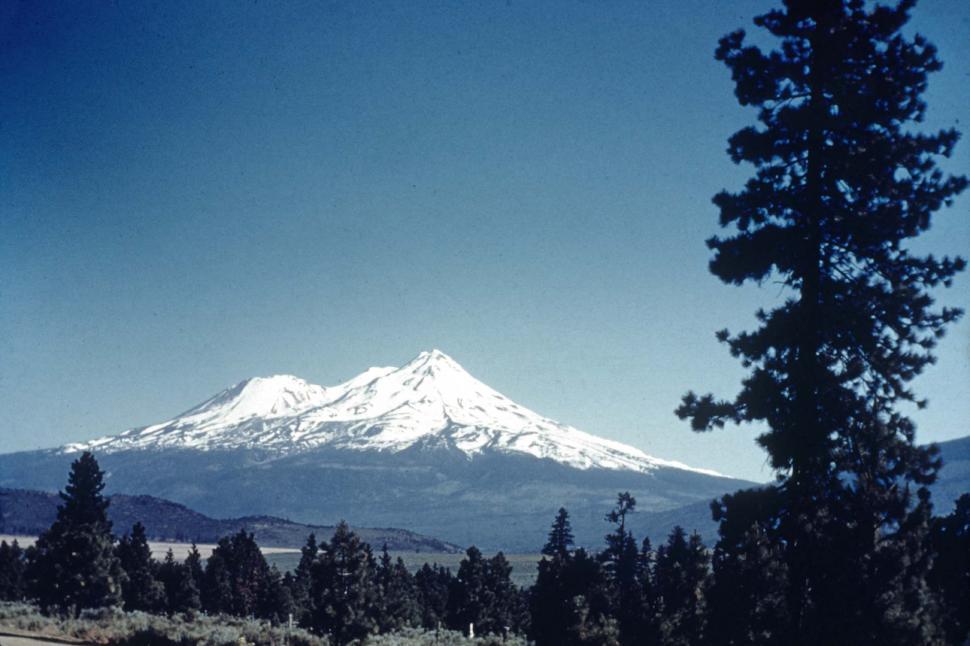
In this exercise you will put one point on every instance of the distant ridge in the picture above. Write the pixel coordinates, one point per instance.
(26, 512)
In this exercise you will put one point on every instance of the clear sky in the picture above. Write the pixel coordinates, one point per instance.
(195, 193)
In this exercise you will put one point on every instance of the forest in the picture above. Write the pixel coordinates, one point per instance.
(341, 592)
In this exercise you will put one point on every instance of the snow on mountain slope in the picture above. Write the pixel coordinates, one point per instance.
(431, 400)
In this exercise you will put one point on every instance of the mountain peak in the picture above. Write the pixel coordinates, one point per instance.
(433, 357)
(430, 401)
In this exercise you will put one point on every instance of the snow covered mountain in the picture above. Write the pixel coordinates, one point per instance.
(430, 402)
(425, 447)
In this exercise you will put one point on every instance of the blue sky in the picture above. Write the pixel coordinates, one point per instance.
(195, 193)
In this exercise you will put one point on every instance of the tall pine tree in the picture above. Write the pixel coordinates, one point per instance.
(300, 583)
(681, 579)
(238, 580)
(73, 564)
(432, 584)
(950, 575)
(560, 536)
(12, 566)
(397, 595)
(840, 186)
(181, 589)
(343, 588)
(141, 589)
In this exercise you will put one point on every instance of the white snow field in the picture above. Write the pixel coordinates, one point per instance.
(431, 400)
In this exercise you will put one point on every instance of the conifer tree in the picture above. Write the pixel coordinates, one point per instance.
(141, 589)
(275, 602)
(181, 590)
(73, 565)
(621, 565)
(747, 598)
(483, 594)
(840, 187)
(507, 609)
(588, 619)
(950, 575)
(12, 565)
(560, 536)
(644, 619)
(238, 581)
(343, 588)
(571, 602)
(300, 586)
(397, 596)
(681, 577)
(432, 584)
(549, 599)
(193, 563)
(217, 584)
(470, 600)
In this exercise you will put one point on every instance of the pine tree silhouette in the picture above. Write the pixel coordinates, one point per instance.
(840, 186)
(73, 565)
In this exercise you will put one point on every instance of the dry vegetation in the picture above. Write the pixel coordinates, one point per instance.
(115, 627)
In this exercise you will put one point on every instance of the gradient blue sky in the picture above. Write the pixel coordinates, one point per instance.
(195, 193)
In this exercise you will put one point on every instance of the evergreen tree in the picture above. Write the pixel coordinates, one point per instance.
(644, 625)
(181, 589)
(141, 589)
(681, 577)
(507, 609)
(588, 618)
(397, 596)
(343, 588)
(217, 584)
(747, 598)
(275, 603)
(300, 585)
(193, 564)
(73, 565)
(432, 584)
(560, 536)
(571, 602)
(950, 575)
(470, 601)
(621, 564)
(839, 188)
(549, 600)
(238, 581)
(483, 594)
(12, 565)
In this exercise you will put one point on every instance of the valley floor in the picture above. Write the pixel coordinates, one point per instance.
(179, 550)
(524, 566)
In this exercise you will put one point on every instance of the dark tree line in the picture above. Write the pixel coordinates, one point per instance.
(339, 588)
(678, 594)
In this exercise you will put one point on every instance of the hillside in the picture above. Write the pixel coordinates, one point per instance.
(31, 512)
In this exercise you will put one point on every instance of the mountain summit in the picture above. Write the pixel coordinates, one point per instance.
(431, 402)
(425, 446)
